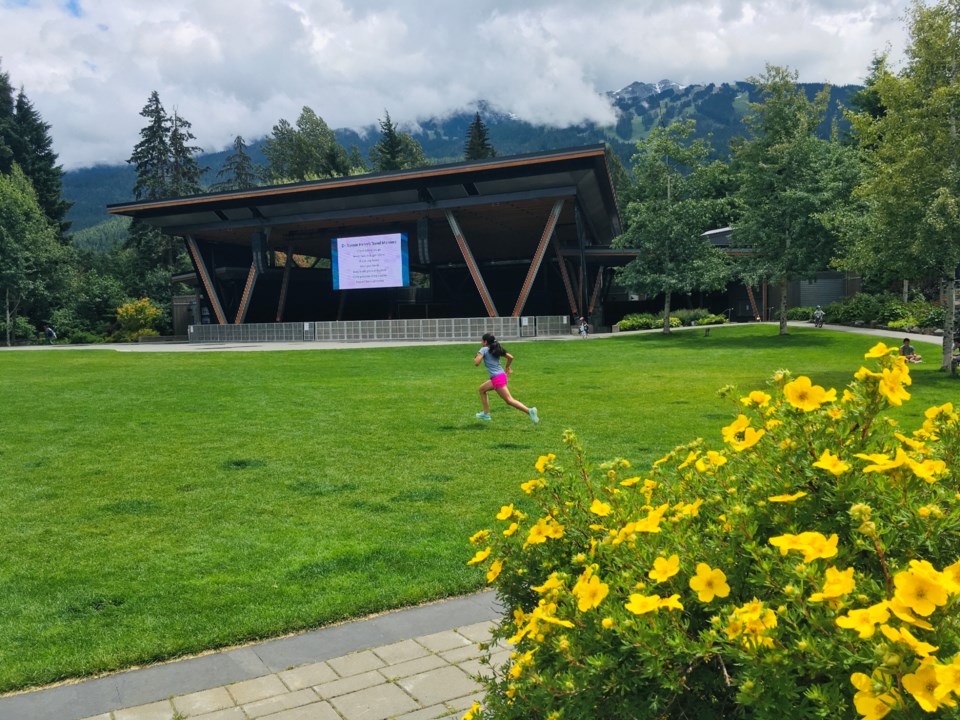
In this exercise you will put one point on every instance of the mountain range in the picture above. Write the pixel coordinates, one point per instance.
(717, 108)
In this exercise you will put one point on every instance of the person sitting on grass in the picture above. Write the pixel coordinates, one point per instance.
(907, 351)
(489, 354)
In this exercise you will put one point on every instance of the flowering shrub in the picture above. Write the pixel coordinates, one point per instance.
(807, 567)
(137, 319)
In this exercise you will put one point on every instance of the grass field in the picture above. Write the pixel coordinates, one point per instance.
(158, 504)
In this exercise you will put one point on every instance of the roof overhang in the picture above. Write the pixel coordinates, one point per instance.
(496, 198)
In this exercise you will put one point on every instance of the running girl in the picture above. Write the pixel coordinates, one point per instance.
(490, 354)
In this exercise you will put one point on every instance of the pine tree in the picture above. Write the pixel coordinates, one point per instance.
(185, 172)
(239, 172)
(6, 124)
(151, 156)
(386, 155)
(36, 158)
(395, 150)
(477, 146)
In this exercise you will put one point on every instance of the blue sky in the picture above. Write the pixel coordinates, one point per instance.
(237, 68)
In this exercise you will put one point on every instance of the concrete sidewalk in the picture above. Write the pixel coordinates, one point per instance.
(413, 664)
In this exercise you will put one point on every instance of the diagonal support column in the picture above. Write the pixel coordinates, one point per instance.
(598, 283)
(206, 280)
(538, 257)
(472, 265)
(566, 280)
(285, 284)
(247, 294)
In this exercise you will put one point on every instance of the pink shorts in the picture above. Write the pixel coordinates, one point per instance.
(499, 381)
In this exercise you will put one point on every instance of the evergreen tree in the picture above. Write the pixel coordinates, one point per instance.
(790, 181)
(151, 156)
(395, 150)
(7, 128)
(477, 145)
(239, 172)
(185, 172)
(39, 163)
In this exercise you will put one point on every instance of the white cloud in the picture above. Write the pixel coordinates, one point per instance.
(237, 68)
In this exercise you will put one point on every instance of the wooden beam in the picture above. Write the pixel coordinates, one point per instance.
(247, 294)
(596, 291)
(285, 284)
(205, 279)
(538, 257)
(566, 280)
(472, 265)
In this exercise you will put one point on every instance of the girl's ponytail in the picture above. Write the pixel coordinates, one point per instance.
(496, 349)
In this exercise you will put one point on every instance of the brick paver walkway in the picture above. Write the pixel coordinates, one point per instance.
(414, 664)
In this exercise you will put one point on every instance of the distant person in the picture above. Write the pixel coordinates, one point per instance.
(818, 317)
(49, 334)
(489, 354)
(584, 328)
(907, 352)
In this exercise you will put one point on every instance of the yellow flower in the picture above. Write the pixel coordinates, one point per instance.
(831, 463)
(928, 469)
(804, 395)
(740, 435)
(495, 567)
(546, 527)
(923, 684)
(787, 498)
(469, 714)
(836, 584)
(479, 557)
(709, 583)
(506, 512)
(922, 592)
(590, 593)
(551, 583)
(630, 482)
(691, 456)
(902, 635)
(891, 385)
(543, 461)
(600, 508)
(871, 703)
(865, 620)
(813, 545)
(642, 604)
(904, 613)
(608, 623)
(512, 529)
(530, 485)
(664, 568)
(757, 397)
(948, 679)
(479, 537)
(672, 602)
(951, 578)
(880, 350)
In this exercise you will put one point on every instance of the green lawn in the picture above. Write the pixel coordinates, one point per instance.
(157, 504)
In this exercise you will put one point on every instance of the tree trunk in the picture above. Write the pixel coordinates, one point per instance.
(6, 307)
(949, 320)
(666, 313)
(906, 290)
(783, 306)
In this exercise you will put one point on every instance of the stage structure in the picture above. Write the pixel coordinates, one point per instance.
(514, 239)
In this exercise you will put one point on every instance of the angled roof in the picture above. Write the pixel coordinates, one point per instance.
(496, 202)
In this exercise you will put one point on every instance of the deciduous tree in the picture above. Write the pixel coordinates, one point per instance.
(35, 262)
(677, 194)
(790, 181)
(912, 150)
(309, 151)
